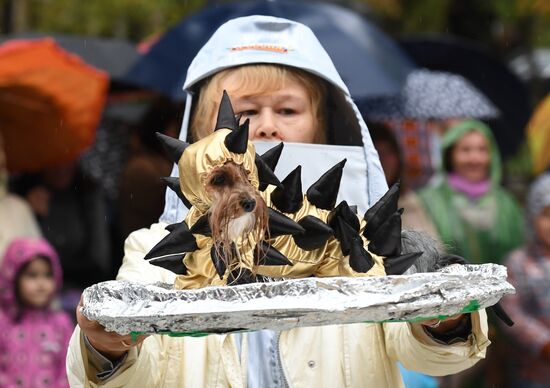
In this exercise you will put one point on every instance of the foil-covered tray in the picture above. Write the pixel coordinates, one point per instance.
(131, 307)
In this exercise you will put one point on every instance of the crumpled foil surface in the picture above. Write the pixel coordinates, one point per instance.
(125, 307)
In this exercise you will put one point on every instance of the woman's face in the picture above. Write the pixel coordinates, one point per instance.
(471, 157)
(36, 285)
(283, 115)
(542, 227)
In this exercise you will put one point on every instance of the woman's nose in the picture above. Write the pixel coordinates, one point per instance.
(265, 128)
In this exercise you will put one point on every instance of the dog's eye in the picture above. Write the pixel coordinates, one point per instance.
(218, 180)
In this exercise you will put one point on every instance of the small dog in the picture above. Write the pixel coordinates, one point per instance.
(238, 212)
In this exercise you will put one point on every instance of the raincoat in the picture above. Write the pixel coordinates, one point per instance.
(484, 230)
(33, 342)
(329, 356)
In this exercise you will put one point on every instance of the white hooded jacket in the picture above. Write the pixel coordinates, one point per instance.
(355, 355)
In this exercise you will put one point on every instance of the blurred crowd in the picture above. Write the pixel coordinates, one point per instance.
(65, 226)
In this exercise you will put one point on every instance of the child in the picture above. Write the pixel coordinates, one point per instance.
(33, 337)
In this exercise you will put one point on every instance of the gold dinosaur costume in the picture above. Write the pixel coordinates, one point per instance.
(307, 235)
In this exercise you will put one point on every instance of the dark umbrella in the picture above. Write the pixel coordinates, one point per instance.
(114, 56)
(370, 63)
(486, 73)
(429, 94)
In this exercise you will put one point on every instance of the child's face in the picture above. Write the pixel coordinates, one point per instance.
(36, 284)
(283, 115)
(542, 227)
(471, 157)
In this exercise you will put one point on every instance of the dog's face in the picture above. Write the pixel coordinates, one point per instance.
(237, 208)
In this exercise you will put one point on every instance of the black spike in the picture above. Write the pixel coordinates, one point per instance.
(345, 233)
(345, 213)
(219, 262)
(381, 211)
(290, 198)
(226, 116)
(171, 263)
(316, 233)
(501, 314)
(387, 239)
(324, 192)
(267, 255)
(173, 183)
(360, 260)
(397, 265)
(272, 155)
(266, 176)
(237, 141)
(173, 147)
(240, 276)
(180, 240)
(279, 224)
(202, 226)
(172, 227)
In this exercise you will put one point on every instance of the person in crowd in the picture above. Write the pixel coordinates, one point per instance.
(72, 215)
(33, 336)
(279, 76)
(529, 273)
(17, 218)
(472, 213)
(391, 157)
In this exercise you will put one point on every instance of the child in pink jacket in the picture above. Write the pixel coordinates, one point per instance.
(33, 337)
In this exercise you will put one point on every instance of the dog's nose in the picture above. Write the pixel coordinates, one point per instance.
(248, 205)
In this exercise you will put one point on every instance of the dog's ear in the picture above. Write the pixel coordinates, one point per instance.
(237, 141)
(226, 116)
(173, 147)
(324, 192)
(381, 211)
(173, 184)
(289, 199)
(316, 233)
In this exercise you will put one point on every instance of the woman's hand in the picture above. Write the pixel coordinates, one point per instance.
(110, 344)
(441, 326)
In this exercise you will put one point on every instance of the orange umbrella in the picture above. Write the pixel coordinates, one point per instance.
(50, 104)
(538, 136)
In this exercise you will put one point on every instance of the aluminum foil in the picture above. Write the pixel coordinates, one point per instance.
(125, 307)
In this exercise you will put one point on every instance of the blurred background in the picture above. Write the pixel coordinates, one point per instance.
(84, 86)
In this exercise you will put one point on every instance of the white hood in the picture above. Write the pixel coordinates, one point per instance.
(267, 39)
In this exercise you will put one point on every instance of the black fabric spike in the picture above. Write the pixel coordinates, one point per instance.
(360, 260)
(316, 233)
(237, 141)
(279, 224)
(290, 198)
(272, 155)
(178, 241)
(173, 147)
(345, 213)
(171, 263)
(501, 314)
(267, 255)
(381, 211)
(171, 227)
(346, 234)
(173, 184)
(241, 276)
(397, 265)
(324, 192)
(387, 239)
(219, 262)
(202, 226)
(226, 116)
(266, 176)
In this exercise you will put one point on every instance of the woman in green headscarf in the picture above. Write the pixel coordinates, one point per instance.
(473, 214)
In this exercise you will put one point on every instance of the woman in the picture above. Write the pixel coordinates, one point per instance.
(473, 214)
(351, 355)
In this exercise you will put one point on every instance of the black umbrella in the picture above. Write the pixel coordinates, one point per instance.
(370, 63)
(429, 94)
(486, 73)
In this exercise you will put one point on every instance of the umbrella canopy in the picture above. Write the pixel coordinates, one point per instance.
(114, 56)
(432, 95)
(538, 136)
(50, 104)
(369, 62)
(488, 74)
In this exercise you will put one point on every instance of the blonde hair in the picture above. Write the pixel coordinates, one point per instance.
(256, 79)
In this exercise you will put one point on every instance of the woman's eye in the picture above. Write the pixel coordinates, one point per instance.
(248, 113)
(218, 180)
(287, 111)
